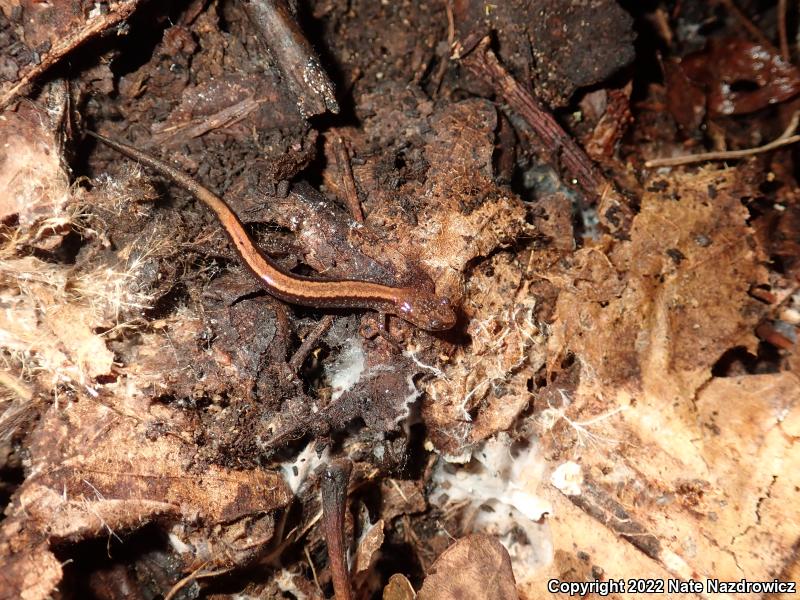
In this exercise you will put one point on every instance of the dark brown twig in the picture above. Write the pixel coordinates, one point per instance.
(334, 504)
(226, 117)
(555, 145)
(348, 183)
(293, 55)
(441, 69)
(783, 40)
(299, 357)
(560, 149)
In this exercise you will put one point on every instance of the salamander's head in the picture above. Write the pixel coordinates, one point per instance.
(426, 310)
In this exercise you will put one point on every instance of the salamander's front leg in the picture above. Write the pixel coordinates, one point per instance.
(369, 330)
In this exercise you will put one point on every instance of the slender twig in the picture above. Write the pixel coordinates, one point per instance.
(346, 177)
(334, 504)
(441, 69)
(302, 352)
(311, 565)
(196, 574)
(550, 141)
(785, 139)
(564, 153)
(783, 40)
(227, 117)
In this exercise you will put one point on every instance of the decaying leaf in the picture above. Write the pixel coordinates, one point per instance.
(476, 567)
(82, 486)
(398, 588)
(642, 315)
(667, 451)
(369, 544)
(28, 569)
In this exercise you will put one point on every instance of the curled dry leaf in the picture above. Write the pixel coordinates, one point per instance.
(476, 567)
(736, 77)
(398, 588)
(369, 544)
(82, 486)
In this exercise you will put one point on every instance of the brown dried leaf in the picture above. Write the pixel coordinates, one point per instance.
(83, 485)
(368, 546)
(398, 588)
(475, 567)
(401, 497)
(657, 312)
(726, 63)
(28, 570)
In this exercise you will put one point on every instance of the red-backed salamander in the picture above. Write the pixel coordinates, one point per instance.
(416, 305)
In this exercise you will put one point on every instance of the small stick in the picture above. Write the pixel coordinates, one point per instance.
(782, 38)
(196, 574)
(555, 146)
(451, 36)
(334, 504)
(346, 175)
(227, 117)
(785, 139)
(313, 569)
(302, 352)
(293, 55)
(563, 152)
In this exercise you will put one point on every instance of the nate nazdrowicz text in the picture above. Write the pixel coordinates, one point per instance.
(671, 586)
